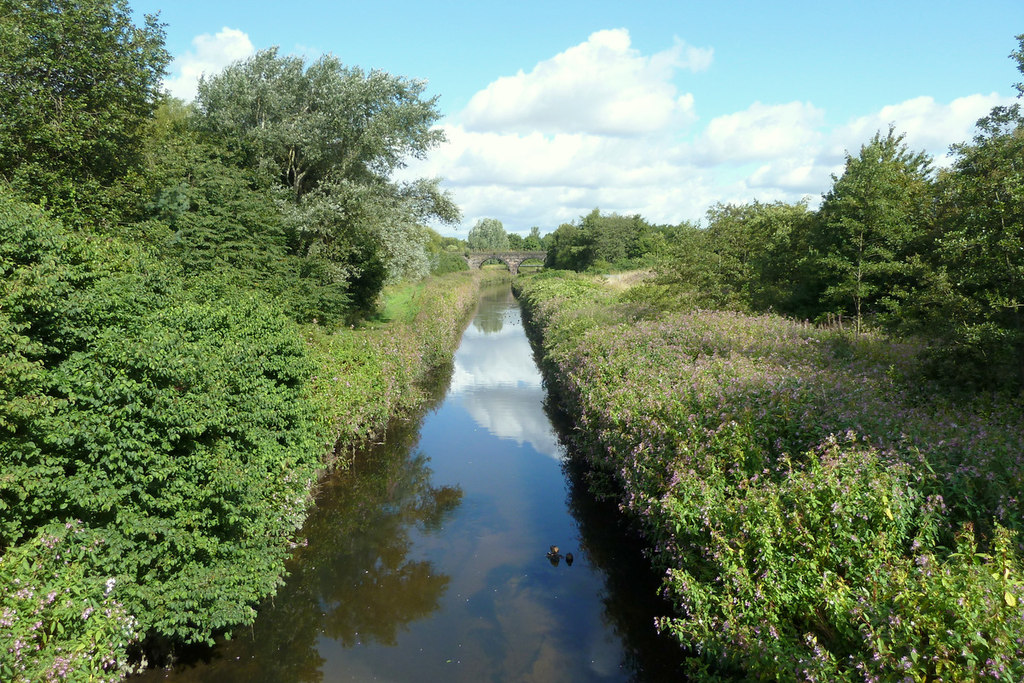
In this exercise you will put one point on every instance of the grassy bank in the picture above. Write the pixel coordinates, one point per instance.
(160, 438)
(819, 512)
(365, 376)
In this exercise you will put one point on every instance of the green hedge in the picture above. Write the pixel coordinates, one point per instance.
(159, 441)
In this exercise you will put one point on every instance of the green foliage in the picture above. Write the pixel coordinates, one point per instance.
(60, 618)
(78, 80)
(817, 517)
(183, 428)
(532, 242)
(974, 306)
(175, 429)
(311, 123)
(749, 257)
(602, 242)
(365, 376)
(488, 234)
(332, 136)
(871, 223)
(445, 253)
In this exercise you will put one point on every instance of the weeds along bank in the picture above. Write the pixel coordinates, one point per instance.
(819, 514)
(159, 441)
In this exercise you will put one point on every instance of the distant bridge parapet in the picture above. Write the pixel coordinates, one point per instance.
(512, 259)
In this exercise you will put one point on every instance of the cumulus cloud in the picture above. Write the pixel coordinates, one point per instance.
(760, 132)
(209, 55)
(929, 125)
(602, 86)
(602, 125)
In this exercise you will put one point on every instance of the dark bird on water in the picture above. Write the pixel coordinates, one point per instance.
(568, 559)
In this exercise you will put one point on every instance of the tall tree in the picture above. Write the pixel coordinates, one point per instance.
(333, 136)
(871, 223)
(532, 241)
(78, 80)
(488, 234)
(977, 304)
(754, 252)
(311, 123)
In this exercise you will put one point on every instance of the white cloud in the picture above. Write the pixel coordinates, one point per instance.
(929, 125)
(546, 147)
(760, 132)
(209, 55)
(602, 86)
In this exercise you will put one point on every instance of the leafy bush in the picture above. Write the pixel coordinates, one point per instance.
(176, 430)
(819, 516)
(59, 616)
(165, 438)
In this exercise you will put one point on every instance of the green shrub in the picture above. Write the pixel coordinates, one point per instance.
(817, 515)
(177, 430)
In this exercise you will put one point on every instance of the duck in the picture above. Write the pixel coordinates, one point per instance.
(568, 559)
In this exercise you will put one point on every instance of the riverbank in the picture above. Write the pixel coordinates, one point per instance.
(162, 437)
(818, 512)
(429, 557)
(365, 377)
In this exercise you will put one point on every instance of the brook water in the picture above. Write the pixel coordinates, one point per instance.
(427, 560)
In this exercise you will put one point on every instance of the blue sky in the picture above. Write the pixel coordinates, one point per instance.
(657, 108)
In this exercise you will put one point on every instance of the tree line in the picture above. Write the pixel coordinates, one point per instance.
(278, 176)
(896, 243)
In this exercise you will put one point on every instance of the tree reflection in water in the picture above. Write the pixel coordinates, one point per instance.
(353, 583)
(490, 318)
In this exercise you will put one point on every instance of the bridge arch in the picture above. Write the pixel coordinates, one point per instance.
(512, 259)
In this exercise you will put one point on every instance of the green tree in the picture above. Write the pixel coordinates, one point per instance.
(78, 80)
(753, 251)
(488, 234)
(213, 217)
(532, 242)
(308, 124)
(332, 136)
(975, 304)
(566, 248)
(871, 224)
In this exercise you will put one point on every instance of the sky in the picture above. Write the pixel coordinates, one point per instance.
(657, 108)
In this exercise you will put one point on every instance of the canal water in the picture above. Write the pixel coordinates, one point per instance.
(429, 560)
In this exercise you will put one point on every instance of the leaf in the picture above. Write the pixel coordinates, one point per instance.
(1010, 599)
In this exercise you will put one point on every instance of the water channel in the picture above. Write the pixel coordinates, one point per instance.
(427, 560)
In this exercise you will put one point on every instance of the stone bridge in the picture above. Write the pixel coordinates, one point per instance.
(512, 259)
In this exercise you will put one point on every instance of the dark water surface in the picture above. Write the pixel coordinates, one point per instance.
(426, 561)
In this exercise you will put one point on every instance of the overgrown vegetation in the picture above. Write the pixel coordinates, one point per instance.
(173, 369)
(820, 514)
(191, 323)
(176, 432)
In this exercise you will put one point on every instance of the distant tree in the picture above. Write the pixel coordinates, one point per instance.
(515, 241)
(445, 253)
(601, 241)
(78, 81)
(532, 242)
(567, 248)
(870, 224)
(752, 251)
(488, 234)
